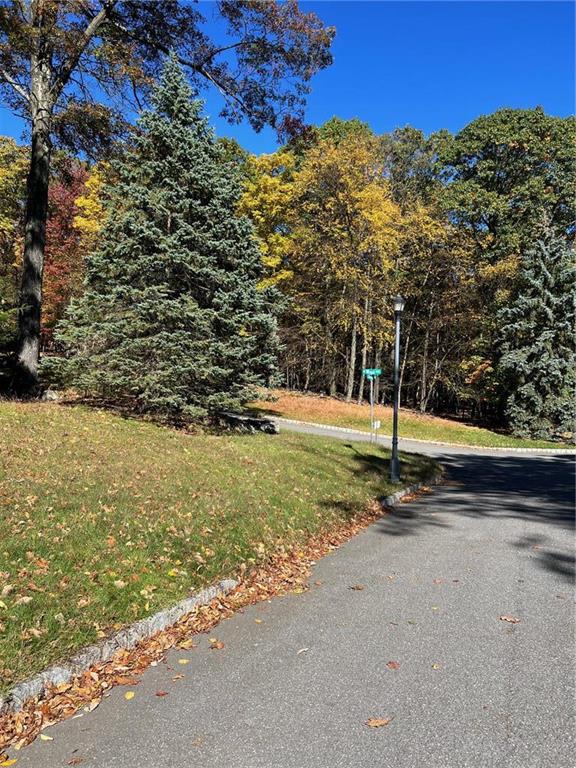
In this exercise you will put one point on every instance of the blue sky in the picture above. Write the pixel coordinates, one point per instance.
(429, 64)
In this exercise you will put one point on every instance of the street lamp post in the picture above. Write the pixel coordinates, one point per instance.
(395, 463)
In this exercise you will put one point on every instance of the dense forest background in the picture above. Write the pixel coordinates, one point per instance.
(475, 230)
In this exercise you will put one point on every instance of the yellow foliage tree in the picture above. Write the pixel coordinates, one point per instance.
(267, 200)
(91, 212)
(13, 169)
(347, 232)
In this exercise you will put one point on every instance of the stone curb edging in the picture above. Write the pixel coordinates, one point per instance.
(564, 451)
(126, 638)
(394, 498)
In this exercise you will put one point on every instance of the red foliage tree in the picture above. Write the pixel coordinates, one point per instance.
(64, 266)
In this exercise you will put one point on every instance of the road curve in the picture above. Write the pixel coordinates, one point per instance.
(429, 448)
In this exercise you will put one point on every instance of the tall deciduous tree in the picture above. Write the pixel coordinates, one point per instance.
(346, 233)
(65, 244)
(12, 192)
(537, 341)
(57, 56)
(171, 320)
(509, 171)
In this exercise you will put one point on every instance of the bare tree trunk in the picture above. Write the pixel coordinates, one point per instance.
(308, 369)
(332, 364)
(422, 393)
(30, 308)
(377, 364)
(352, 362)
(404, 361)
(423, 382)
(364, 351)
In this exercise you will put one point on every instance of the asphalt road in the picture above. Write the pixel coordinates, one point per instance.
(299, 676)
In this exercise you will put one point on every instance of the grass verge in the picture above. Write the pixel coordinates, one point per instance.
(104, 520)
(329, 410)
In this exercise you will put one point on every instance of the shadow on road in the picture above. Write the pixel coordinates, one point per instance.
(535, 489)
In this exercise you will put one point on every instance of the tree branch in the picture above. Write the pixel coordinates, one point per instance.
(89, 32)
(7, 78)
(199, 68)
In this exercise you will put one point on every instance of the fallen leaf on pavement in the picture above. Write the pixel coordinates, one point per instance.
(177, 677)
(435, 666)
(216, 645)
(378, 722)
(510, 619)
(393, 665)
(91, 706)
(9, 762)
(438, 581)
(124, 680)
(357, 587)
(257, 621)
(183, 661)
(302, 650)
(44, 737)
(75, 761)
(278, 576)
(160, 694)
(187, 644)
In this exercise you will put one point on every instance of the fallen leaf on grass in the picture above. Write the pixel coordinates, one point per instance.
(393, 665)
(357, 587)
(160, 694)
(44, 737)
(378, 722)
(510, 619)
(276, 577)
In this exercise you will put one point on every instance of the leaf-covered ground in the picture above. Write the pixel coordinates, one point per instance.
(329, 410)
(104, 520)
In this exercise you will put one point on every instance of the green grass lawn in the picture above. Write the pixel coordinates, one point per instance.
(329, 410)
(104, 520)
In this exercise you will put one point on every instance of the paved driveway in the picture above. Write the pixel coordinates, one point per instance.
(299, 676)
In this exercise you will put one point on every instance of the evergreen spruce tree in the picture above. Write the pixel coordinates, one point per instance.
(538, 344)
(171, 318)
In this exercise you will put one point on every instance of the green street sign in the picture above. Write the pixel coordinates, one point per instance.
(371, 372)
